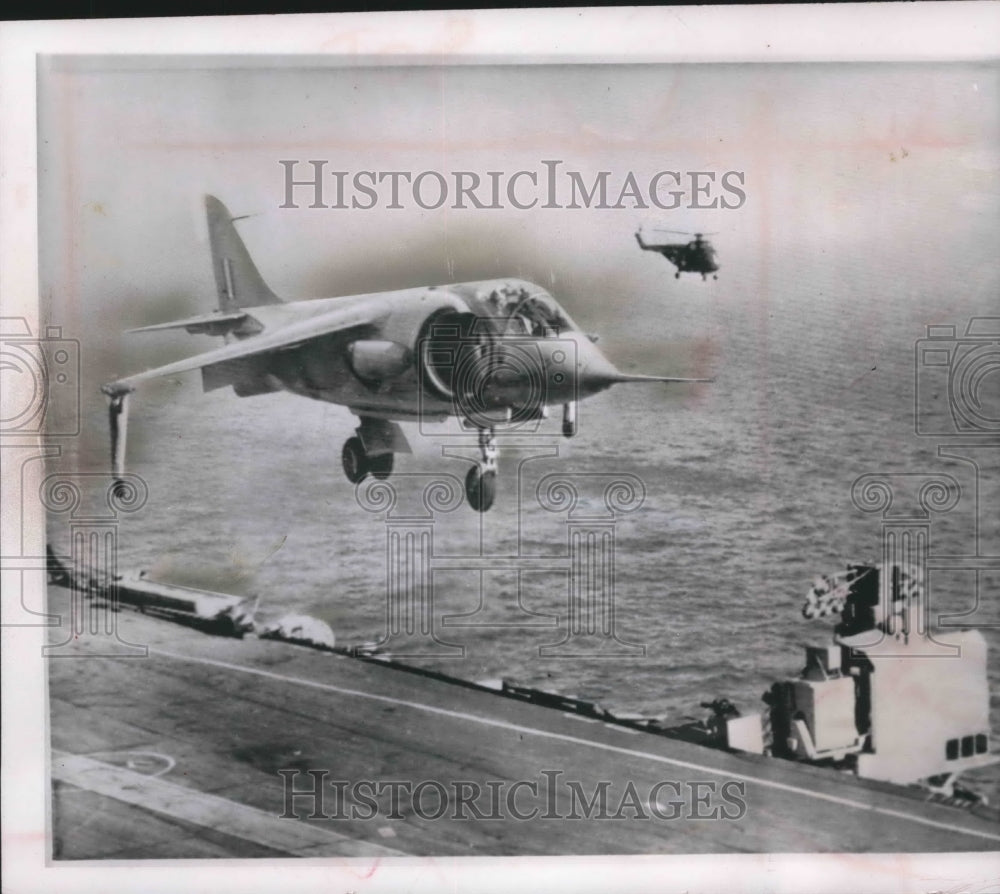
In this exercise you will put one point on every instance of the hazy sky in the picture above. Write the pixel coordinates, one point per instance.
(857, 178)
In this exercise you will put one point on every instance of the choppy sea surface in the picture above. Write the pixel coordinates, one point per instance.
(745, 484)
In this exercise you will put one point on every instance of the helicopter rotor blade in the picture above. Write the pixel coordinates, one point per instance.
(680, 232)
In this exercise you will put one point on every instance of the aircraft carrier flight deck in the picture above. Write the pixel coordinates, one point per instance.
(216, 746)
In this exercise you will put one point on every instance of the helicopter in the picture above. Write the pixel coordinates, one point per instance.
(696, 256)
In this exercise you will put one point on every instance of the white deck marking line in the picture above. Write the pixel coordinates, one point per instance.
(618, 728)
(241, 821)
(563, 737)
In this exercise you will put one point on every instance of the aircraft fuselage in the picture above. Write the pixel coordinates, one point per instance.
(425, 352)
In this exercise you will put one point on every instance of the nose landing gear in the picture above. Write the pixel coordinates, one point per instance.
(481, 480)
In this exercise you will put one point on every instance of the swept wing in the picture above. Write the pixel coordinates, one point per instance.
(287, 337)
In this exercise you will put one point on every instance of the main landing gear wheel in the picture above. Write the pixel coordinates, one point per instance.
(355, 460)
(358, 464)
(481, 488)
(380, 466)
(481, 480)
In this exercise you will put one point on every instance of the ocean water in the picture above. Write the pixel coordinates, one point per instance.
(747, 497)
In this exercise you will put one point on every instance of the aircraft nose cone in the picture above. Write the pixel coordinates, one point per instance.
(574, 368)
(595, 371)
(542, 372)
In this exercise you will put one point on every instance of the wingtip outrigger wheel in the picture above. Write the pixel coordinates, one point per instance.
(118, 424)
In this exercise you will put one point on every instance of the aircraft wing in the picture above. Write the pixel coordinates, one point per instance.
(284, 338)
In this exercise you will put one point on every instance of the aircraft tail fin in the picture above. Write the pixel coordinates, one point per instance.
(236, 277)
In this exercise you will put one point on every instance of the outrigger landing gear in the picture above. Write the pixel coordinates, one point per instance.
(118, 421)
(481, 481)
(372, 450)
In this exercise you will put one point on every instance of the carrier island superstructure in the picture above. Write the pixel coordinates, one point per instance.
(890, 698)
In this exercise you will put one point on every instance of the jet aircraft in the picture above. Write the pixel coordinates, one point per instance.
(492, 353)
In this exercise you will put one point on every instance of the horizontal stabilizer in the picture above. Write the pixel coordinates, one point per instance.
(204, 324)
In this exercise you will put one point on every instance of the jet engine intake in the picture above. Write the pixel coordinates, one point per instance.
(490, 378)
(451, 350)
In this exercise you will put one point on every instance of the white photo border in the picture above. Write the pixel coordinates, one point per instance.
(891, 32)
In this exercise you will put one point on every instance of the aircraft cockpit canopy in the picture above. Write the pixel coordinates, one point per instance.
(518, 310)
